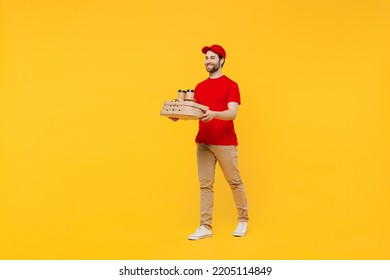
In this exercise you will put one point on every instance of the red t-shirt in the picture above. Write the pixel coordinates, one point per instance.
(216, 94)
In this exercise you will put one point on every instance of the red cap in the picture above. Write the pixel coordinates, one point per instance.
(215, 48)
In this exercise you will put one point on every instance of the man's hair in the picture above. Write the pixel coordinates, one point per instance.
(220, 57)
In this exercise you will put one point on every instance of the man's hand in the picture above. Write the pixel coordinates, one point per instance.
(229, 114)
(208, 115)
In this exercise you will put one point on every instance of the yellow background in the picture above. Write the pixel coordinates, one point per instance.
(90, 170)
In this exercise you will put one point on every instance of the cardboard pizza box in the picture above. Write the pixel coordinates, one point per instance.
(185, 110)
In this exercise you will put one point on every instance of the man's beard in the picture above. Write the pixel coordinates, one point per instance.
(214, 69)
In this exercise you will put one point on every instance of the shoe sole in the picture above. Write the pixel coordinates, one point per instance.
(198, 238)
(238, 234)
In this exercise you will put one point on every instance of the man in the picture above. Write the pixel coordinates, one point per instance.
(217, 142)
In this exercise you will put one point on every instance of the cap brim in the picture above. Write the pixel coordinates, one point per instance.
(205, 49)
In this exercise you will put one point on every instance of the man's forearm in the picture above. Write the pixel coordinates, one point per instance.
(226, 115)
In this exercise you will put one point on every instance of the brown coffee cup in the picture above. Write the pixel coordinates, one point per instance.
(190, 94)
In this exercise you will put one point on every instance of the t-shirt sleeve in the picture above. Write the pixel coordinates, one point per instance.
(234, 93)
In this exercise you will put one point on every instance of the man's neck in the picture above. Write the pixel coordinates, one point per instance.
(216, 75)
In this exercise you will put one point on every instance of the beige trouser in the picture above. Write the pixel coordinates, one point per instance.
(207, 156)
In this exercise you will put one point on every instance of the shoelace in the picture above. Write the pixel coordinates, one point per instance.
(200, 230)
(240, 227)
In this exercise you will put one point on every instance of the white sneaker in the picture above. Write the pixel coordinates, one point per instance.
(201, 232)
(241, 229)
